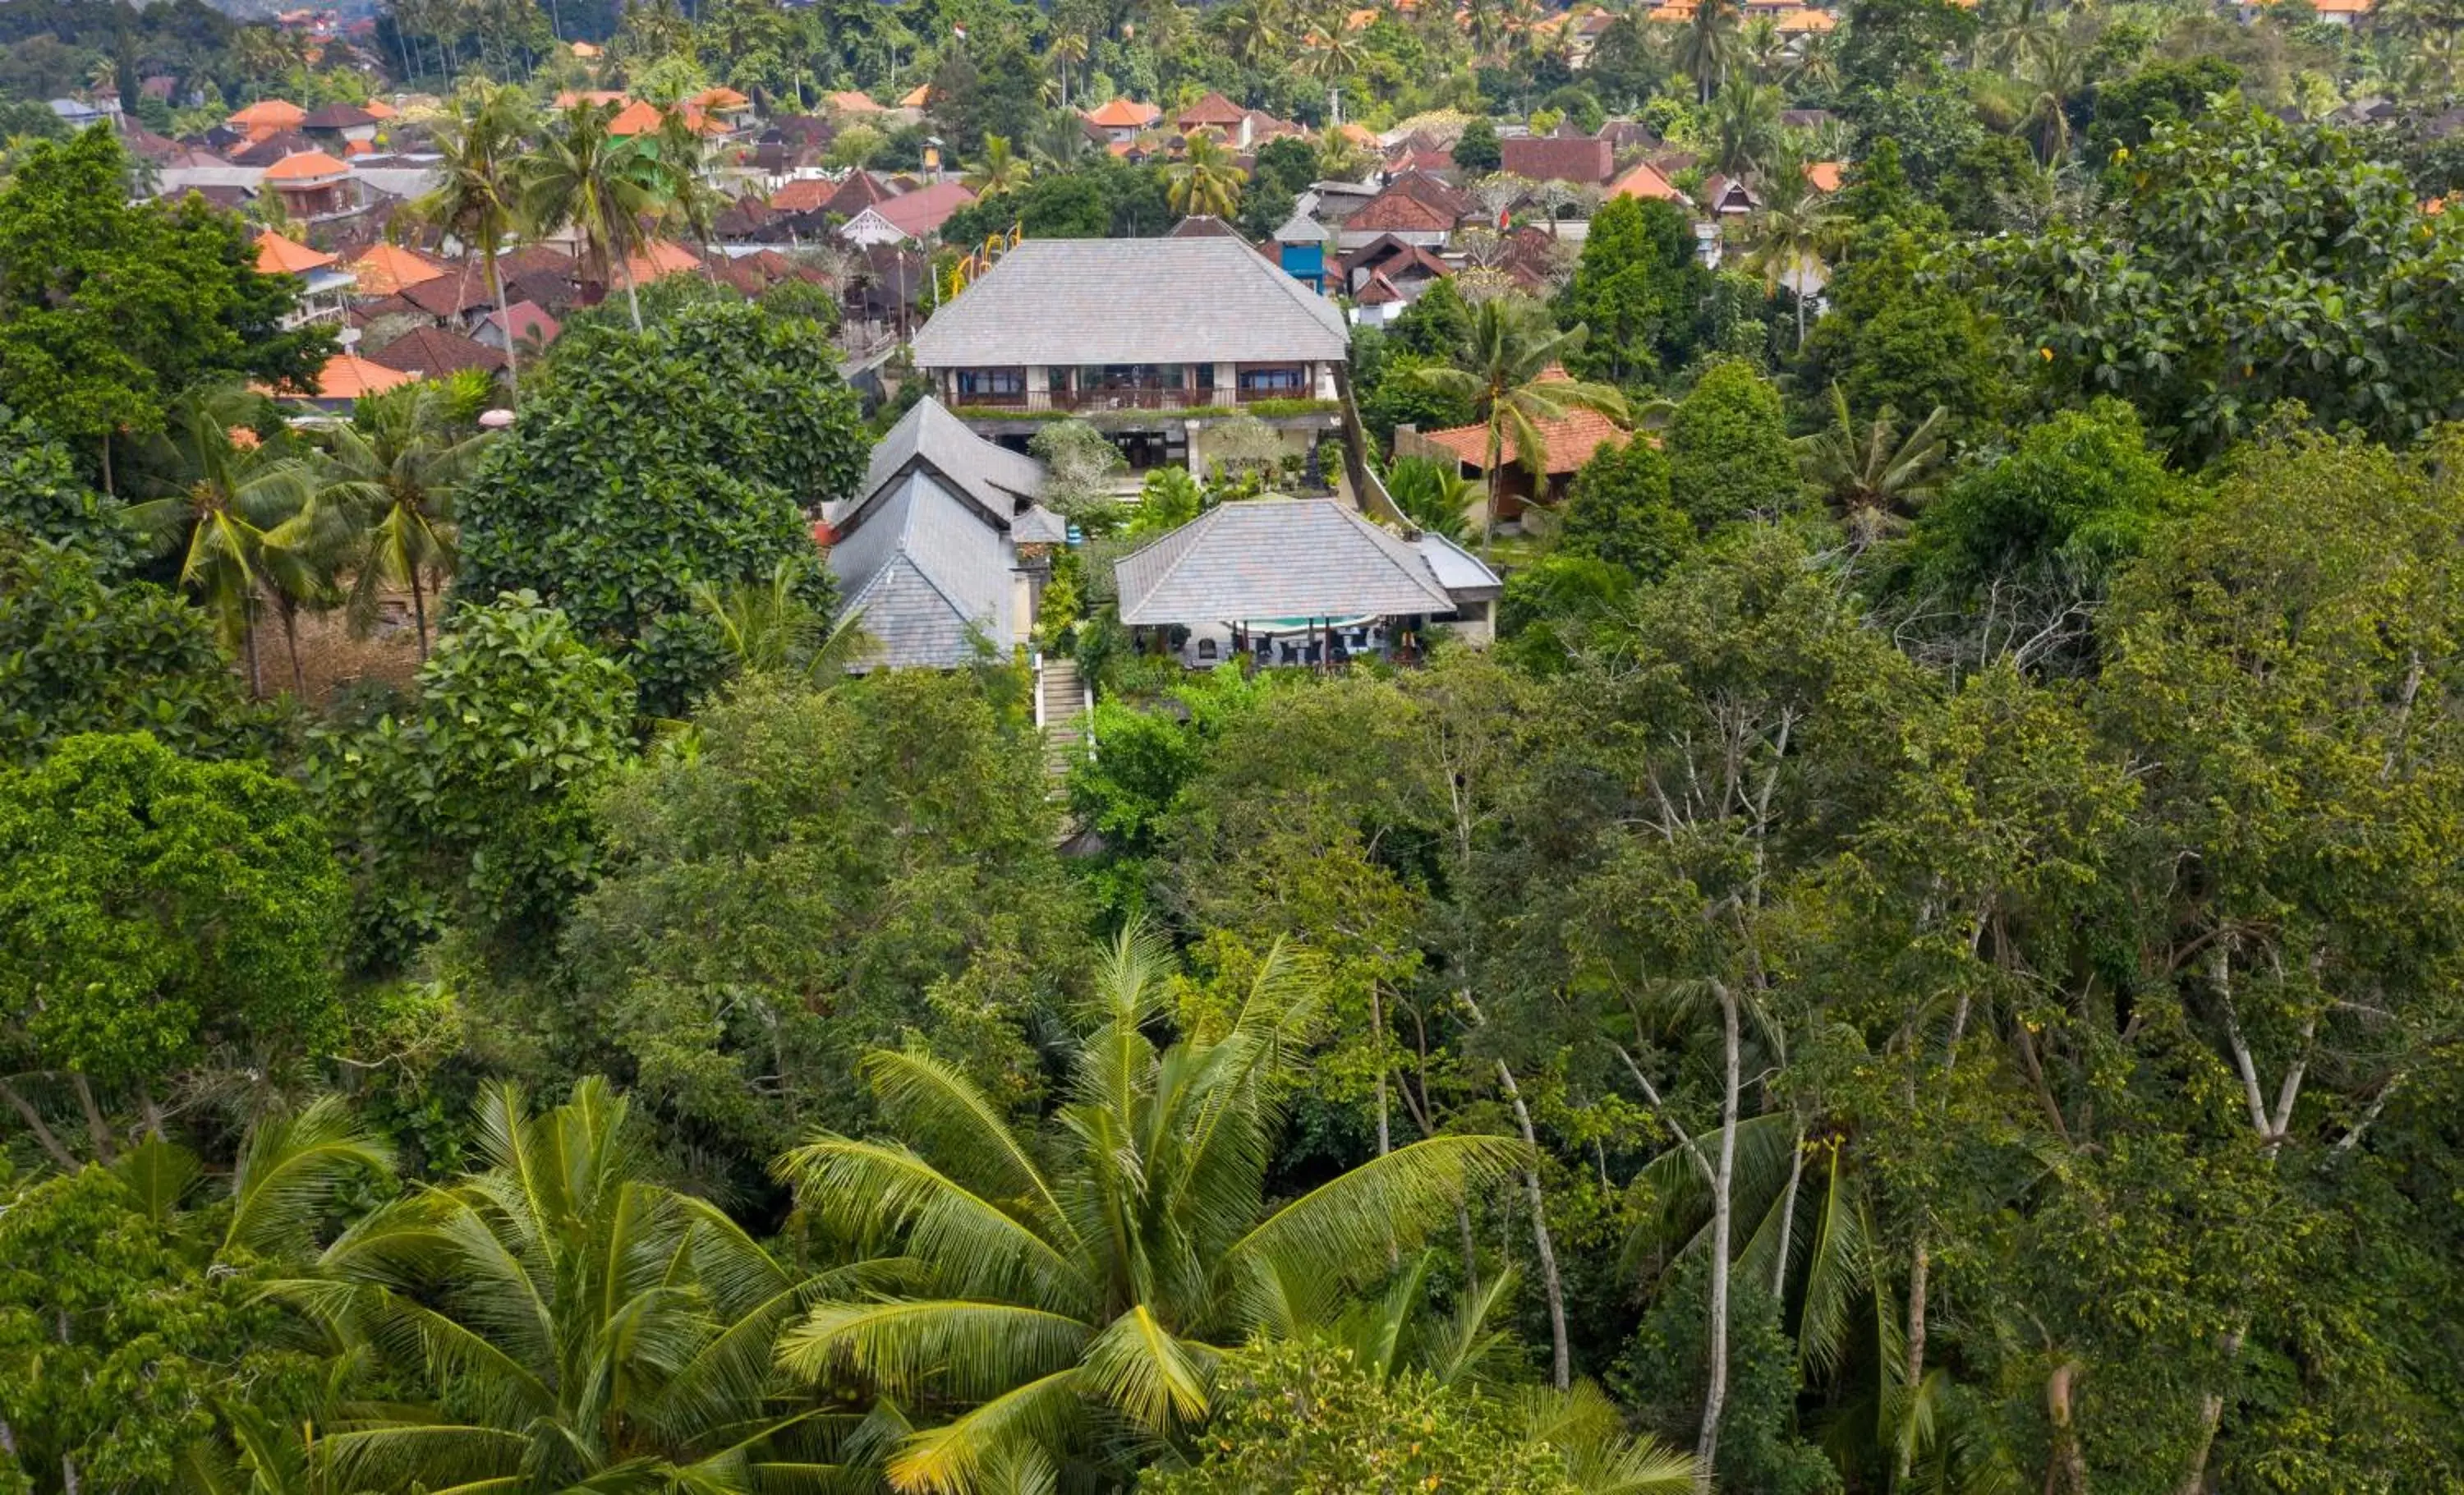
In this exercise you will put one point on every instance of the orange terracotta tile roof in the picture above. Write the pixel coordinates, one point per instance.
(1124, 114)
(591, 96)
(584, 49)
(1803, 21)
(916, 97)
(268, 114)
(378, 109)
(1212, 110)
(347, 376)
(1643, 182)
(638, 118)
(662, 258)
(1359, 134)
(722, 98)
(307, 165)
(1569, 442)
(277, 256)
(853, 102)
(802, 195)
(1823, 175)
(385, 269)
(1670, 14)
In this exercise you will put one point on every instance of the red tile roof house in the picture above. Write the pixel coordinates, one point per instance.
(1582, 160)
(1567, 443)
(1123, 119)
(910, 217)
(1408, 211)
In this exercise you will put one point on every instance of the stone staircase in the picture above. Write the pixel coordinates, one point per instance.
(1060, 706)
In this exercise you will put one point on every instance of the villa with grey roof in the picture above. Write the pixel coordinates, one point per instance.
(943, 555)
(1307, 581)
(1148, 338)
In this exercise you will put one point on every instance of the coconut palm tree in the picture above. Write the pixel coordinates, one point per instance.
(1873, 474)
(392, 473)
(1068, 48)
(1103, 1261)
(2057, 73)
(1710, 46)
(688, 201)
(600, 185)
(1060, 141)
(1000, 169)
(1793, 231)
(1746, 132)
(1512, 375)
(477, 193)
(232, 493)
(1204, 180)
(771, 625)
(574, 1323)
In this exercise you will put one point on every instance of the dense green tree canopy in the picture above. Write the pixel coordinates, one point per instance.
(646, 462)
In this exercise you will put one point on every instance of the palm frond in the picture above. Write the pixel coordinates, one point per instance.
(290, 1169)
(869, 1188)
(947, 1460)
(964, 1349)
(1157, 1380)
(1344, 1229)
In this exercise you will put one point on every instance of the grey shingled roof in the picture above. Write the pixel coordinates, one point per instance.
(926, 578)
(1464, 575)
(1276, 558)
(996, 478)
(1131, 301)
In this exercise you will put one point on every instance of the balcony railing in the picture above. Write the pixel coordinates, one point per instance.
(1125, 398)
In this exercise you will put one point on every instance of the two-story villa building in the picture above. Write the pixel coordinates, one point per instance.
(1150, 339)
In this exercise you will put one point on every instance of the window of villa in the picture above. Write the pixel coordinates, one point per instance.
(1270, 380)
(992, 381)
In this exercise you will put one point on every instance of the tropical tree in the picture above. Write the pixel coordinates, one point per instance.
(233, 492)
(1068, 48)
(1793, 231)
(392, 470)
(1205, 180)
(1710, 46)
(576, 1325)
(1106, 1261)
(2057, 73)
(1434, 495)
(600, 185)
(1746, 135)
(999, 170)
(679, 158)
(1876, 475)
(1511, 373)
(477, 193)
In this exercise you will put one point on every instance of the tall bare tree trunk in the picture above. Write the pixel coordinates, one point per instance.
(2066, 1469)
(1561, 1372)
(512, 361)
(290, 612)
(1715, 1393)
(419, 612)
(44, 1136)
(1787, 1218)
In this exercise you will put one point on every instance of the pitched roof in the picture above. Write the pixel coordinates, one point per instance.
(1584, 159)
(994, 477)
(432, 351)
(1823, 175)
(1124, 114)
(1203, 225)
(1568, 442)
(1645, 181)
(268, 150)
(459, 290)
(722, 98)
(378, 109)
(859, 192)
(1214, 109)
(532, 259)
(1393, 211)
(277, 256)
(1132, 301)
(268, 114)
(527, 322)
(383, 269)
(916, 97)
(661, 258)
(347, 376)
(1795, 22)
(1389, 252)
(337, 117)
(1380, 291)
(925, 557)
(308, 165)
(851, 102)
(923, 210)
(1276, 558)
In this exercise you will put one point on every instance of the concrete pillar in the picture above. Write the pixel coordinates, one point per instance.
(1325, 381)
(1227, 384)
